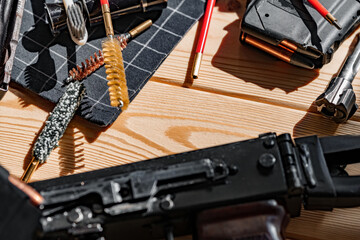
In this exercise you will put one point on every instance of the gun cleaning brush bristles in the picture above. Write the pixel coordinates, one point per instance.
(114, 62)
(115, 73)
(79, 73)
(90, 66)
(65, 109)
(87, 68)
(75, 22)
(55, 126)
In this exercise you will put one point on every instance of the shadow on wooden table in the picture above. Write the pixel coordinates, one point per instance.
(252, 65)
(313, 123)
(71, 143)
(237, 6)
(71, 151)
(188, 82)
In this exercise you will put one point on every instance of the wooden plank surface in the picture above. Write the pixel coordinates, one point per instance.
(241, 92)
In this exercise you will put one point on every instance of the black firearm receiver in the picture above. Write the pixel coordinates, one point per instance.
(241, 190)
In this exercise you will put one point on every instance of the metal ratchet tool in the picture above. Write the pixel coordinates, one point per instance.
(338, 102)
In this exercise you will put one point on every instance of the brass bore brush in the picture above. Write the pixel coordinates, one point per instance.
(114, 62)
(90, 66)
(93, 63)
(115, 74)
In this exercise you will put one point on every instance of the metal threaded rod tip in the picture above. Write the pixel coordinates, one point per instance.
(30, 170)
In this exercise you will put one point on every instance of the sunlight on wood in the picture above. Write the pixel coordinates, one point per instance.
(240, 93)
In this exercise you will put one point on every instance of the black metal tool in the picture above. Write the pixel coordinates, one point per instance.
(169, 196)
(338, 102)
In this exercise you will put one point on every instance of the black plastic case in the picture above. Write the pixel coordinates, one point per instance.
(298, 22)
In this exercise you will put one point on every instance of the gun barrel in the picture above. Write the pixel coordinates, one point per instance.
(338, 102)
(352, 63)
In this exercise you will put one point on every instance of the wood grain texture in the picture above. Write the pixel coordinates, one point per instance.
(241, 92)
(237, 70)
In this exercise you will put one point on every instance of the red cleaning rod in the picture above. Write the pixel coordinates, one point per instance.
(325, 13)
(202, 38)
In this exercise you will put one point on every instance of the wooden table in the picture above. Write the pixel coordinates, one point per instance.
(241, 92)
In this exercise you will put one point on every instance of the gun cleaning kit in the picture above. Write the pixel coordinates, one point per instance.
(65, 109)
(141, 200)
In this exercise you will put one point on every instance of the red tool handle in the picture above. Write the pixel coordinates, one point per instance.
(205, 27)
(319, 7)
(102, 2)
